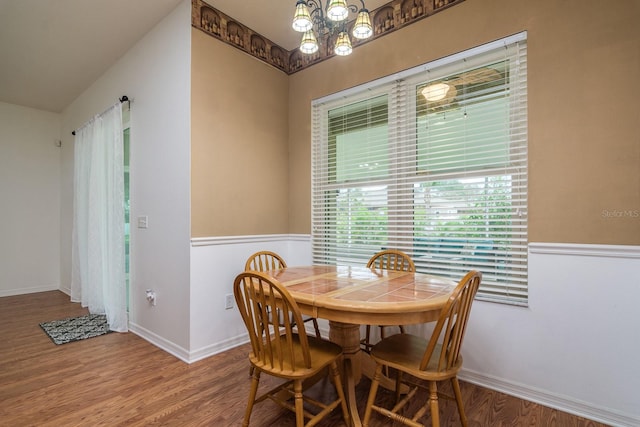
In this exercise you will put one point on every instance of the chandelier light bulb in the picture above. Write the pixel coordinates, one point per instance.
(343, 45)
(309, 43)
(363, 28)
(337, 10)
(302, 18)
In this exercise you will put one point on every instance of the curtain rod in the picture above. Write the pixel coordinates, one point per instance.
(124, 98)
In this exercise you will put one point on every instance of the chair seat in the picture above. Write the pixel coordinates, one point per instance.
(322, 354)
(405, 352)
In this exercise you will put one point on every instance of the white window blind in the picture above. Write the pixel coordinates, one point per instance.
(432, 161)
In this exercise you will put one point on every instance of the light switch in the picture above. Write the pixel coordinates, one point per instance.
(143, 221)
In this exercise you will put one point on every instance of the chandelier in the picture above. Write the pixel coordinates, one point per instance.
(317, 22)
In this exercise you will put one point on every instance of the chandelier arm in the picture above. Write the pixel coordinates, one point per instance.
(353, 8)
(317, 8)
(317, 13)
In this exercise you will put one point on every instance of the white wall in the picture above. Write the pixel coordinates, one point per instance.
(29, 200)
(215, 263)
(155, 74)
(574, 348)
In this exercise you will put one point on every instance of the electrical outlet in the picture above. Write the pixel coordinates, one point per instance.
(151, 296)
(228, 301)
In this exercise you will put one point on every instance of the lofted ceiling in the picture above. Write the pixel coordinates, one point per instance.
(52, 50)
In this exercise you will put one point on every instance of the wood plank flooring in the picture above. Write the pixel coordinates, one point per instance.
(122, 380)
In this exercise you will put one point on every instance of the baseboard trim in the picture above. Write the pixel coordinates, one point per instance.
(160, 342)
(552, 400)
(183, 354)
(217, 348)
(33, 290)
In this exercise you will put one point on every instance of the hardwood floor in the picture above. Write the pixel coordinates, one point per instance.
(122, 380)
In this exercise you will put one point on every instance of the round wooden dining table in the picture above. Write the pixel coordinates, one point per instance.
(350, 296)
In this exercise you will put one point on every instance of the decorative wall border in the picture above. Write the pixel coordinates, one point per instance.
(387, 18)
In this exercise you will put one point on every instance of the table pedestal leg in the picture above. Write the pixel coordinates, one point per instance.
(348, 336)
(356, 363)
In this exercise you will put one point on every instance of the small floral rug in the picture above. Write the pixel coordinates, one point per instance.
(76, 328)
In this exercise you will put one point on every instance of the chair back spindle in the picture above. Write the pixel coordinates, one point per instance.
(391, 259)
(265, 261)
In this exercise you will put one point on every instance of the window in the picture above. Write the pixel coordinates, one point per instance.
(433, 162)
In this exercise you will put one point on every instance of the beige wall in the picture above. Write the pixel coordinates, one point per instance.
(584, 142)
(584, 134)
(239, 153)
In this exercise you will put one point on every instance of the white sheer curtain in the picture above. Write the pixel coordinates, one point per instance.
(98, 278)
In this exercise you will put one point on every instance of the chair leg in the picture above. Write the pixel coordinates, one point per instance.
(458, 394)
(401, 329)
(386, 368)
(317, 329)
(372, 395)
(398, 385)
(433, 402)
(255, 380)
(297, 388)
(340, 391)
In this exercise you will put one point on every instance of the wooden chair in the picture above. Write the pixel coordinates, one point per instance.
(390, 259)
(277, 350)
(432, 361)
(267, 260)
(264, 261)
